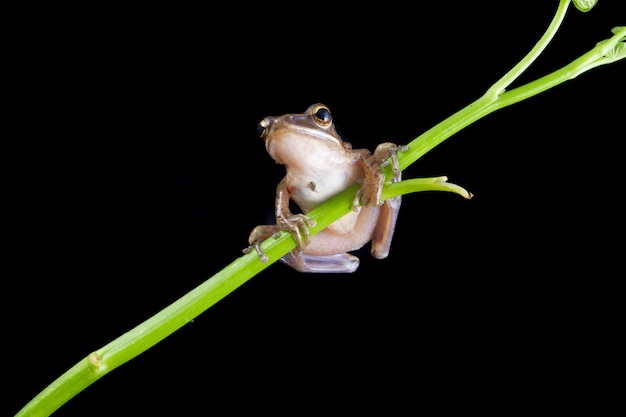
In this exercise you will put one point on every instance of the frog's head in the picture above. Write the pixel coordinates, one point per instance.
(307, 135)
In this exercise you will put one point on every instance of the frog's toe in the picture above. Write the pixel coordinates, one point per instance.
(257, 236)
(257, 247)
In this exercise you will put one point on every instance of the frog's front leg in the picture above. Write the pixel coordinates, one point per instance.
(297, 224)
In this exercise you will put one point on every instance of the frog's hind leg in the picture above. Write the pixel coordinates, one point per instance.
(336, 263)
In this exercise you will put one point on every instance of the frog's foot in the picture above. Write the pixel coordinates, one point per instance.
(298, 225)
(257, 236)
(337, 263)
(387, 153)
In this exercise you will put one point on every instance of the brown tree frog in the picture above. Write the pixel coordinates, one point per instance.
(319, 165)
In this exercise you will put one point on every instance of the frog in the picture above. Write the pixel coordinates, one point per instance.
(320, 164)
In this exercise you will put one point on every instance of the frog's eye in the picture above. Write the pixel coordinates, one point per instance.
(262, 129)
(322, 115)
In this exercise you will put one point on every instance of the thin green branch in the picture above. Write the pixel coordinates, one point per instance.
(167, 321)
(499, 86)
(605, 52)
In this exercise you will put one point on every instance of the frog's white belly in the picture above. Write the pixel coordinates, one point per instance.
(311, 190)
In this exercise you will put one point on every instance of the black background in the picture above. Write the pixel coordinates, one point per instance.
(135, 173)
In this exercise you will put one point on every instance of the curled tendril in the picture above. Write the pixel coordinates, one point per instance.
(585, 5)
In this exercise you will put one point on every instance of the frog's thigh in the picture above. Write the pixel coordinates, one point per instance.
(349, 233)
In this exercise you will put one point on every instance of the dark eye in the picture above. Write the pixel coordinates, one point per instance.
(322, 115)
(261, 129)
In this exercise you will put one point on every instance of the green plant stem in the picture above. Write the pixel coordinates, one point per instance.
(603, 53)
(143, 337)
(173, 317)
(499, 86)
